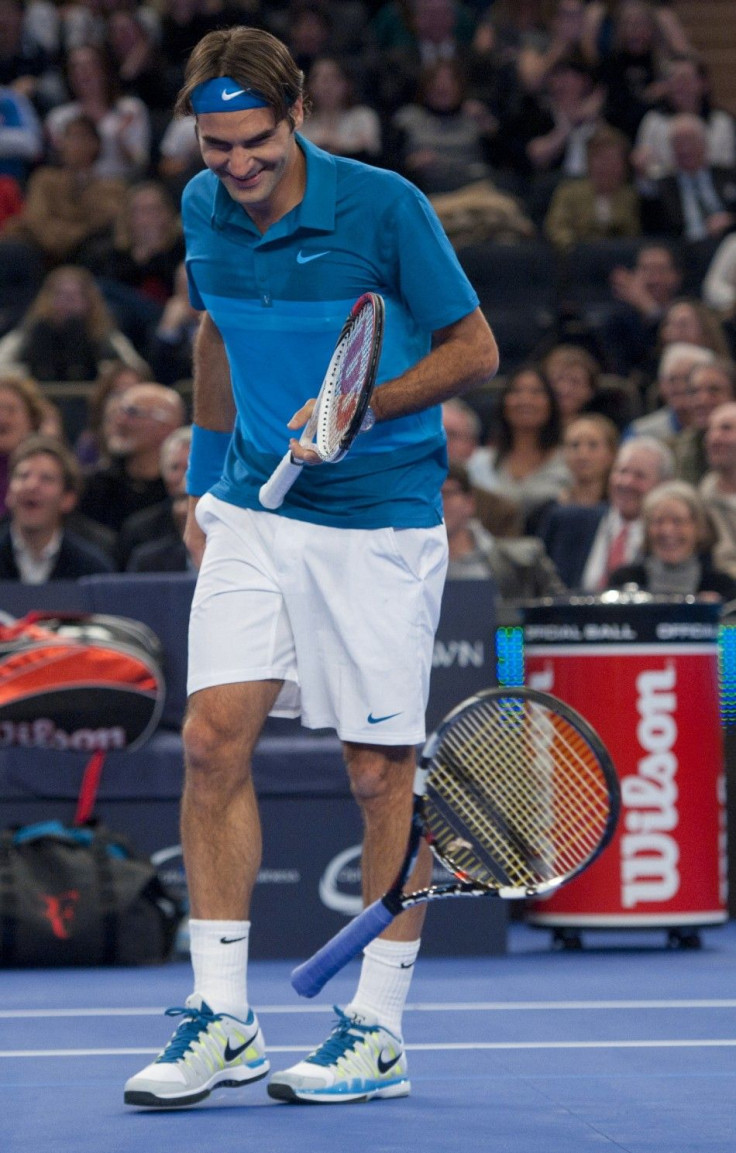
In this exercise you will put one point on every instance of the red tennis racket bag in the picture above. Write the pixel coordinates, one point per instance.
(82, 682)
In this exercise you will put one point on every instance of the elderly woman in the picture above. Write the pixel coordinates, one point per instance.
(678, 548)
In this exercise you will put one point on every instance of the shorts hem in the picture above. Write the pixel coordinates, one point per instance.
(389, 740)
(238, 676)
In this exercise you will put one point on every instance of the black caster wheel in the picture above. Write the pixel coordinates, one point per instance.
(683, 939)
(566, 940)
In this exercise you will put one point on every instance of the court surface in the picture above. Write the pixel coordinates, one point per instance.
(624, 1046)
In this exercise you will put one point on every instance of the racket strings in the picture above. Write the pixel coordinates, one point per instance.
(349, 370)
(538, 803)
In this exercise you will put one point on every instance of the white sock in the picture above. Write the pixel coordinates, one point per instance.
(219, 951)
(385, 977)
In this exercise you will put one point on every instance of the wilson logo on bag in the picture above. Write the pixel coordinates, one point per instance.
(78, 682)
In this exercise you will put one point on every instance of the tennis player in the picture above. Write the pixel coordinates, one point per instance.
(326, 609)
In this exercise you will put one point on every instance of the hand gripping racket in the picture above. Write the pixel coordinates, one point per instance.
(343, 400)
(515, 794)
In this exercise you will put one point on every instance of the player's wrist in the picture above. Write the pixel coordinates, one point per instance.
(206, 459)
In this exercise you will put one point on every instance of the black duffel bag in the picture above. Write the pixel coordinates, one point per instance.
(80, 896)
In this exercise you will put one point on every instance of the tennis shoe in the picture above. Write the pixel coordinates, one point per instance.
(208, 1051)
(358, 1061)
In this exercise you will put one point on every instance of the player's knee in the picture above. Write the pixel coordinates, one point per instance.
(207, 745)
(378, 776)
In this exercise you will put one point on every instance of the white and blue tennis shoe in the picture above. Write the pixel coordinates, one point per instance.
(208, 1051)
(359, 1060)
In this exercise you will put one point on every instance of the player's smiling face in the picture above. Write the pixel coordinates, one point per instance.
(257, 159)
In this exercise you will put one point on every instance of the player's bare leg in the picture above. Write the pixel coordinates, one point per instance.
(364, 1057)
(219, 1043)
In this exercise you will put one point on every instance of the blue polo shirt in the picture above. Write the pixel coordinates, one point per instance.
(279, 300)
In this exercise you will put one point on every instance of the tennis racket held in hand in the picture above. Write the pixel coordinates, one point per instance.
(342, 403)
(515, 793)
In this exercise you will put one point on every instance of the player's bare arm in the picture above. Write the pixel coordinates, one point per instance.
(464, 356)
(213, 408)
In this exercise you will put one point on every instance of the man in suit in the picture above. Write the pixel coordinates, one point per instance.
(698, 201)
(35, 546)
(585, 543)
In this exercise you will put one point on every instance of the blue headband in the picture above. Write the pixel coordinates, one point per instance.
(225, 95)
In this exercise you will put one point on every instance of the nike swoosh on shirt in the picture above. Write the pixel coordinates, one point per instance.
(301, 259)
(231, 1054)
(232, 95)
(377, 720)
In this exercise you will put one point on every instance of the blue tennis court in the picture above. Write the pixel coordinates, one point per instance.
(625, 1045)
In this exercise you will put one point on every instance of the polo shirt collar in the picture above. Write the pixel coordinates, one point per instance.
(315, 212)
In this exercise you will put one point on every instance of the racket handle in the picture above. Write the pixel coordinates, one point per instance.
(313, 974)
(274, 490)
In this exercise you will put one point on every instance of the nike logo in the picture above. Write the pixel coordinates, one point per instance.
(231, 1054)
(407, 964)
(301, 259)
(377, 720)
(384, 1066)
(230, 940)
(232, 95)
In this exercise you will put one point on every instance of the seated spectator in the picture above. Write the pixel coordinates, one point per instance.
(559, 37)
(140, 421)
(117, 376)
(21, 413)
(21, 137)
(463, 428)
(308, 31)
(122, 121)
(677, 551)
(519, 568)
(153, 540)
(589, 447)
(140, 64)
(575, 379)
(409, 35)
(549, 132)
(138, 269)
(525, 462)
(26, 62)
(68, 332)
(685, 89)
(639, 298)
(629, 46)
(337, 122)
(587, 542)
(698, 200)
(171, 346)
(718, 486)
(673, 388)
(35, 544)
(710, 385)
(156, 522)
(598, 206)
(440, 143)
(68, 204)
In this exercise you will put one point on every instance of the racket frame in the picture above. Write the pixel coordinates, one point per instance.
(311, 976)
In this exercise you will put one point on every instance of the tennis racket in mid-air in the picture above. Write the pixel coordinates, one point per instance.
(515, 793)
(341, 407)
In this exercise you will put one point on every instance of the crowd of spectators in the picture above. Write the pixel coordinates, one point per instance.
(559, 123)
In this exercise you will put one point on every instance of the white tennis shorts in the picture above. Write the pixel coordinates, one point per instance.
(345, 617)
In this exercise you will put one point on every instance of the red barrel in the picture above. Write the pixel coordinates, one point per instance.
(644, 673)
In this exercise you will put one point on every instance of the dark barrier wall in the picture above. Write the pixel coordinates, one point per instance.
(310, 878)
